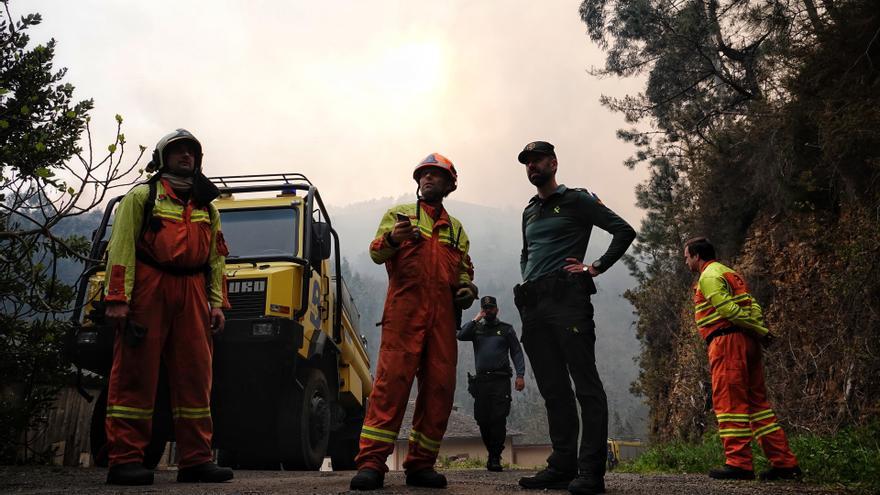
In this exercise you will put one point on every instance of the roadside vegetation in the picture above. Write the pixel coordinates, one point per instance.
(850, 458)
(50, 177)
(470, 463)
(759, 125)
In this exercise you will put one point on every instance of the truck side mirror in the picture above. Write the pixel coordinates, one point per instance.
(321, 241)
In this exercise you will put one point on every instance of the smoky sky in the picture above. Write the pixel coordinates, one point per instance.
(351, 93)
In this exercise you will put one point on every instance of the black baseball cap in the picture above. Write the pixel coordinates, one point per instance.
(536, 147)
(488, 301)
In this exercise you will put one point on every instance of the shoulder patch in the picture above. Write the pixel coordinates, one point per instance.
(588, 193)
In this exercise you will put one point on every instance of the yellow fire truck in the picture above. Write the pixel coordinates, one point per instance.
(291, 372)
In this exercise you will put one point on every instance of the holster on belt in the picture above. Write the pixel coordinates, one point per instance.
(522, 296)
(472, 384)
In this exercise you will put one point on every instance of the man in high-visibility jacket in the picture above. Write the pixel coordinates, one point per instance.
(425, 251)
(732, 324)
(164, 294)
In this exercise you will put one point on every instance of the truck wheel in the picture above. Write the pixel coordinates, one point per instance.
(97, 431)
(246, 460)
(227, 458)
(304, 424)
(163, 423)
(345, 442)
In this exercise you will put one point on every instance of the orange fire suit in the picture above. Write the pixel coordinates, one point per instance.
(162, 276)
(730, 319)
(418, 335)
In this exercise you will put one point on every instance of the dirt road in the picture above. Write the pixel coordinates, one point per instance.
(47, 480)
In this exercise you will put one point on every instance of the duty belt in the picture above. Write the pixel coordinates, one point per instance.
(554, 284)
(171, 270)
(723, 331)
(502, 372)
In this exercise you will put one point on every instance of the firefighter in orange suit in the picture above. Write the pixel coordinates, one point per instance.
(732, 324)
(425, 251)
(165, 294)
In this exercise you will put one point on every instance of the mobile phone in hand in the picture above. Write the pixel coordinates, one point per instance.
(403, 217)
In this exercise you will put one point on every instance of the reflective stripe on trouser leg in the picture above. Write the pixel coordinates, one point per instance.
(134, 377)
(767, 430)
(394, 376)
(728, 363)
(188, 356)
(436, 385)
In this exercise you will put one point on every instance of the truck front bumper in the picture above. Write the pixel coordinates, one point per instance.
(255, 363)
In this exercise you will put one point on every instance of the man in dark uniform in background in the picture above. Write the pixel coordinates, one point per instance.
(493, 341)
(557, 316)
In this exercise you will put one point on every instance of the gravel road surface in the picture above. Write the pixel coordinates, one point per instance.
(75, 481)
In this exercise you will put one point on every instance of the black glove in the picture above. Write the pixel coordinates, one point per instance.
(465, 295)
(134, 333)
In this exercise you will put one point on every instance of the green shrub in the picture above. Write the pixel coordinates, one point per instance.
(851, 457)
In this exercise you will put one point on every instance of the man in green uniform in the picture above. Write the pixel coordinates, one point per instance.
(557, 317)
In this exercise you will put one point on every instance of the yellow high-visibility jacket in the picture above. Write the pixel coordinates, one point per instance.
(722, 299)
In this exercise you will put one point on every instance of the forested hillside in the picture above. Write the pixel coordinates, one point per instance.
(760, 125)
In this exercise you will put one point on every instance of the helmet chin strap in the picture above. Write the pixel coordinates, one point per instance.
(421, 198)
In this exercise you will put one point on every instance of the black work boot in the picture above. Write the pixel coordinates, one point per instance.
(548, 478)
(586, 484)
(781, 473)
(426, 478)
(728, 472)
(204, 473)
(494, 463)
(131, 473)
(367, 479)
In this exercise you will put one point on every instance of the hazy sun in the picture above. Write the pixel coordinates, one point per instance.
(409, 70)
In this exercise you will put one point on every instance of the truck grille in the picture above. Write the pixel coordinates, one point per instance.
(247, 298)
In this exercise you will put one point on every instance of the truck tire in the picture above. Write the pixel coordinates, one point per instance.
(304, 424)
(97, 430)
(247, 460)
(345, 442)
(161, 431)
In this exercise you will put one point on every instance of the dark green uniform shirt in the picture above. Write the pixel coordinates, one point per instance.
(559, 227)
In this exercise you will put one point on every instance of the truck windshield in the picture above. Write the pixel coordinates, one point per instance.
(262, 232)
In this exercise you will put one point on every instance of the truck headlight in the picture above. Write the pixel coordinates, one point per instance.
(263, 329)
